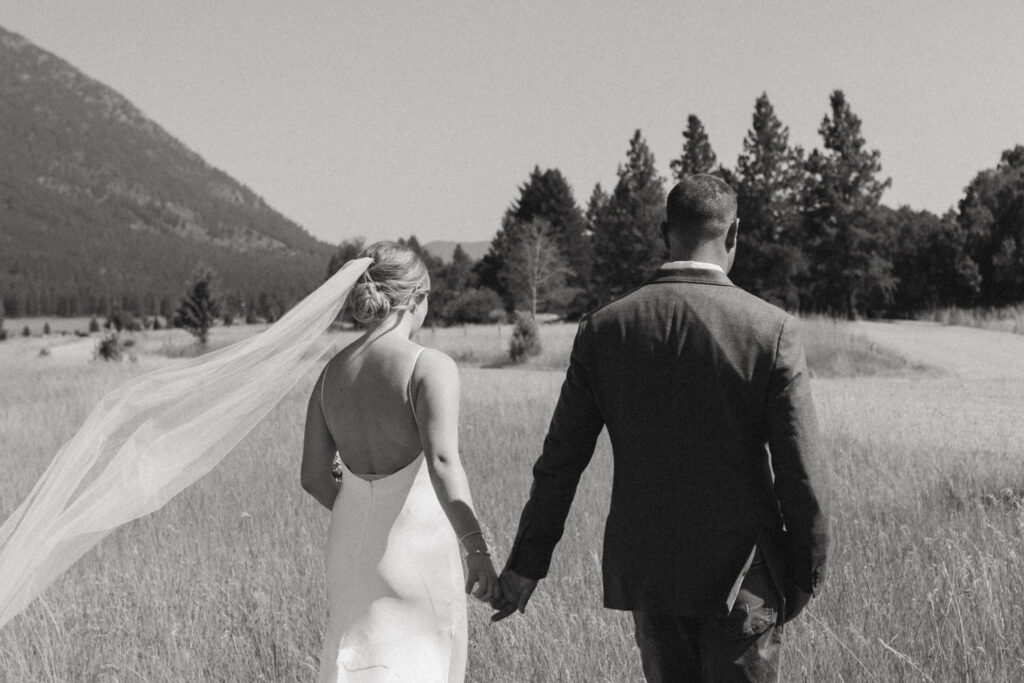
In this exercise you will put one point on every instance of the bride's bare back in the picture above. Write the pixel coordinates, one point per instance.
(366, 394)
(363, 408)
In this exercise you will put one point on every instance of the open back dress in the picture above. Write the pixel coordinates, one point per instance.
(396, 606)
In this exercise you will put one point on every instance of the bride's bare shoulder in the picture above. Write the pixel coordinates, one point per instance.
(435, 365)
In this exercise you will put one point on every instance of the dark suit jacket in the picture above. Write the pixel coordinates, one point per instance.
(704, 390)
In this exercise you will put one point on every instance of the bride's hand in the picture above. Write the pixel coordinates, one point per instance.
(480, 572)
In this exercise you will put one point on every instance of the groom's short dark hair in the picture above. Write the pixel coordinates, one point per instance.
(700, 205)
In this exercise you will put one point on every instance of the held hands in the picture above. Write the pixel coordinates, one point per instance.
(505, 594)
(480, 572)
(514, 594)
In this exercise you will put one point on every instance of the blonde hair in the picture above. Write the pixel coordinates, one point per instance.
(392, 281)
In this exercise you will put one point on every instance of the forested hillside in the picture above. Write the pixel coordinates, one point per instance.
(101, 208)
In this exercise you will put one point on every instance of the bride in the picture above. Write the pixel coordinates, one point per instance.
(388, 407)
(402, 507)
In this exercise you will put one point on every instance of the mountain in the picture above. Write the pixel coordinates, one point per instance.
(444, 249)
(100, 207)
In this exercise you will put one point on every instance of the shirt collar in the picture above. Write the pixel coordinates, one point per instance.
(697, 265)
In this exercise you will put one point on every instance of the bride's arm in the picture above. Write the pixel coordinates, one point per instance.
(436, 380)
(318, 451)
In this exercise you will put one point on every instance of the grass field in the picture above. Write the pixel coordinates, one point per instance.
(1006, 319)
(225, 583)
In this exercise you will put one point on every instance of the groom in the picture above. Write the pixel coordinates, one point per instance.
(718, 527)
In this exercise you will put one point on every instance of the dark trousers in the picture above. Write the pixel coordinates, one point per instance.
(745, 646)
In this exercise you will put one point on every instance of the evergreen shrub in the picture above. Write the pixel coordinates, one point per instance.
(525, 339)
(110, 347)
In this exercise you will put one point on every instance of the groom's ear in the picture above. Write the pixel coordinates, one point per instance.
(664, 236)
(731, 235)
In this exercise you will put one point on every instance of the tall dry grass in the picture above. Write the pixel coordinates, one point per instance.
(1004, 319)
(834, 351)
(225, 583)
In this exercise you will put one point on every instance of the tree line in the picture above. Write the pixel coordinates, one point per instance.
(101, 269)
(814, 236)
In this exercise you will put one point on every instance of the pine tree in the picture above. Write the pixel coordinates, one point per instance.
(769, 186)
(448, 282)
(991, 218)
(458, 275)
(851, 270)
(587, 298)
(489, 268)
(596, 206)
(627, 234)
(198, 310)
(697, 157)
(548, 197)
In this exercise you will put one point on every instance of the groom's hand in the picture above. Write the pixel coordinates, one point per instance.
(515, 593)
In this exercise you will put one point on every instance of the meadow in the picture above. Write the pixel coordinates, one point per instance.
(225, 583)
(1005, 319)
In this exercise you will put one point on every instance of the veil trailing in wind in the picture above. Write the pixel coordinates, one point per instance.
(150, 438)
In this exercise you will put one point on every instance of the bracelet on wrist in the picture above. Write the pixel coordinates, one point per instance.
(479, 551)
(471, 533)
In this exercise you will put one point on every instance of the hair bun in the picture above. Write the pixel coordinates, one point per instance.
(389, 283)
(369, 304)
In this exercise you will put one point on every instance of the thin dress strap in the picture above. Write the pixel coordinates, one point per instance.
(323, 381)
(408, 389)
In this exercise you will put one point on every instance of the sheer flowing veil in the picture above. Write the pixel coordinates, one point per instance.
(155, 435)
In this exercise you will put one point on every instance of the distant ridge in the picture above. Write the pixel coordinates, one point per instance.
(100, 207)
(444, 249)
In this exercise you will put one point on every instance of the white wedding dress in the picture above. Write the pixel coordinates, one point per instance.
(396, 606)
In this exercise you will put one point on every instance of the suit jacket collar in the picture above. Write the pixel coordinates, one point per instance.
(672, 273)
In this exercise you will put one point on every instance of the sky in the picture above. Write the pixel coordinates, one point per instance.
(385, 119)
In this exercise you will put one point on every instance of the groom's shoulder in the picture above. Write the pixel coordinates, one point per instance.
(759, 307)
(763, 320)
(742, 313)
(616, 307)
(729, 296)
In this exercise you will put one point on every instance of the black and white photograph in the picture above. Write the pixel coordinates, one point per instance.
(528, 342)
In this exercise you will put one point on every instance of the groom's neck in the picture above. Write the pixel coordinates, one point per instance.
(705, 253)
